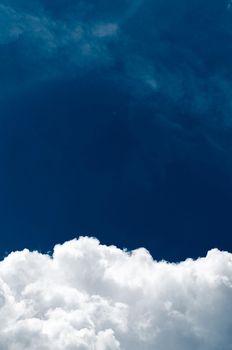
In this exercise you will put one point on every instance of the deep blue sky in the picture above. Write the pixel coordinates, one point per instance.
(116, 121)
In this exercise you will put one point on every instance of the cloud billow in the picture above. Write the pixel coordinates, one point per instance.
(90, 296)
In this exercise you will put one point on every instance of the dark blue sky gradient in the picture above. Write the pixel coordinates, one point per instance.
(130, 142)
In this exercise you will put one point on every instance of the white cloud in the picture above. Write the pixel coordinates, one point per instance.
(90, 296)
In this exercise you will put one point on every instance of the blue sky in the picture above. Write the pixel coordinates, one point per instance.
(116, 122)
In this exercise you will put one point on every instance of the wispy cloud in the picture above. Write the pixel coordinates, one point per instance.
(156, 58)
(54, 46)
(132, 9)
(105, 30)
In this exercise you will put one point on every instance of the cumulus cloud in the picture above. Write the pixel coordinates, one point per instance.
(90, 296)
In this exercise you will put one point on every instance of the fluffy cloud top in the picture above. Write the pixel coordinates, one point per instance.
(91, 296)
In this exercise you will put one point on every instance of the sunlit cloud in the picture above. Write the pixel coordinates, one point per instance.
(91, 296)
